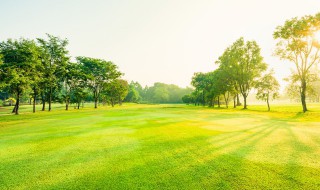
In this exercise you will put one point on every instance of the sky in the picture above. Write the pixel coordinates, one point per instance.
(155, 40)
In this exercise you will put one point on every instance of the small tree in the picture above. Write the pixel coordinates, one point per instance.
(267, 88)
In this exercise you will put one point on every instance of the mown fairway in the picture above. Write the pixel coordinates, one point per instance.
(161, 147)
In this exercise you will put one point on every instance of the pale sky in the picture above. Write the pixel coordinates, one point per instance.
(155, 40)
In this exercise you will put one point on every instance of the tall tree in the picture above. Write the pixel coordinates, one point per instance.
(200, 82)
(73, 80)
(19, 61)
(245, 64)
(99, 72)
(37, 80)
(228, 65)
(267, 88)
(55, 58)
(297, 42)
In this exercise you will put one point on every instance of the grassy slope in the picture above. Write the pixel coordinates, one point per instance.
(167, 146)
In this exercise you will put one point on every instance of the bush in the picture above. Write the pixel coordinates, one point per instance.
(10, 102)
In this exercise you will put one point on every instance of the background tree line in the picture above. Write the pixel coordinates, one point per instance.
(158, 93)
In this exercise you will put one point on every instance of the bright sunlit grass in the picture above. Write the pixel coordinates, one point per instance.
(161, 147)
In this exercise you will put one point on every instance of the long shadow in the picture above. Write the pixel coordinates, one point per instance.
(292, 171)
(180, 156)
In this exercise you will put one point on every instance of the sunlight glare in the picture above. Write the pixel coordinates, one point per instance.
(316, 35)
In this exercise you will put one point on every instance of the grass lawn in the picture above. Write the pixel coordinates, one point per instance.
(161, 147)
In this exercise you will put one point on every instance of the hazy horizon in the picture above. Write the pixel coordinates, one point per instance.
(155, 41)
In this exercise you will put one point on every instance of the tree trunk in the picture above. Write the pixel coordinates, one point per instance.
(303, 94)
(95, 103)
(50, 98)
(67, 105)
(226, 99)
(78, 105)
(211, 102)
(218, 101)
(268, 103)
(245, 102)
(14, 108)
(34, 102)
(234, 102)
(17, 103)
(238, 100)
(43, 102)
(120, 102)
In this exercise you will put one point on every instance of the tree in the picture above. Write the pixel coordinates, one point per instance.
(228, 64)
(297, 43)
(73, 80)
(160, 93)
(99, 72)
(18, 67)
(200, 82)
(245, 64)
(224, 85)
(187, 99)
(267, 88)
(37, 80)
(54, 58)
(116, 91)
(134, 92)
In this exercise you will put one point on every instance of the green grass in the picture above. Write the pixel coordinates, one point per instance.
(161, 147)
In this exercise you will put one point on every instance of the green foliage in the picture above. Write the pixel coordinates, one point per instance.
(115, 91)
(188, 99)
(54, 58)
(20, 58)
(165, 93)
(134, 91)
(239, 68)
(98, 73)
(244, 64)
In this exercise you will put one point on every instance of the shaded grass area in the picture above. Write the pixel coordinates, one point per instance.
(161, 147)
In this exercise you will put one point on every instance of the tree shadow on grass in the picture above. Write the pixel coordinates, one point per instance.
(183, 163)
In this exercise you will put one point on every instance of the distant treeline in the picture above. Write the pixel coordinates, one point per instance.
(158, 93)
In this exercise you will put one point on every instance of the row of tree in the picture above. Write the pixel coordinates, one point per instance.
(41, 71)
(42, 68)
(241, 67)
